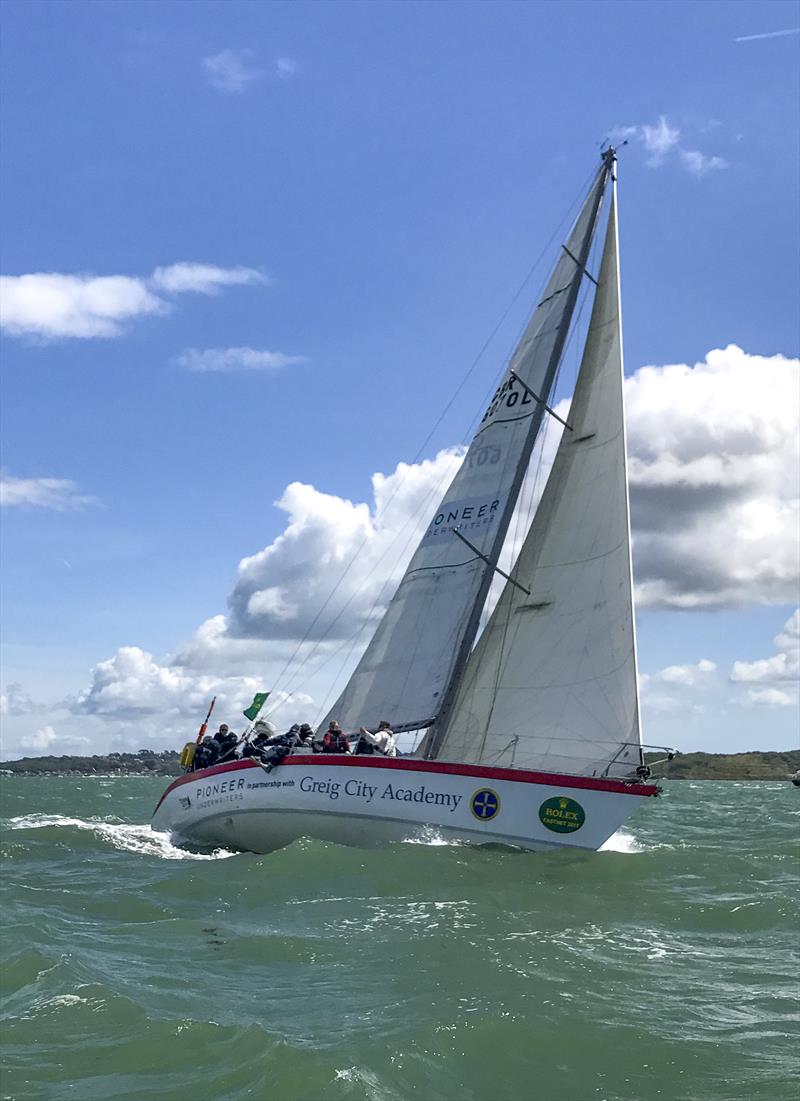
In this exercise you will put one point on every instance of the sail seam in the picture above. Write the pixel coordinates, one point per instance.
(580, 561)
(555, 294)
(442, 568)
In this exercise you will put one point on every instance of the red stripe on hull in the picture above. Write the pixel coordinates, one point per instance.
(411, 764)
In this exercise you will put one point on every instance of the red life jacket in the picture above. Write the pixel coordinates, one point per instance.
(335, 742)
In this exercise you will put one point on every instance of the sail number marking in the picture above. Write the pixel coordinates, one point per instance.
(483, 456)
(506, 395)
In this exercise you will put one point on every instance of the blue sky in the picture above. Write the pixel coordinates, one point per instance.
(359, 190)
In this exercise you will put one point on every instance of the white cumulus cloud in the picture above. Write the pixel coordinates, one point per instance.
(715, 504)
(699, 164)
(362, 547)
(59, 494)
(52, 305)
(132, 686)
(715, 501)
(661, 140)
(231, 70)
(677, 687)
(777, 677)
(211, 647)
(39, 739)
(235, 359)
(685, 674)
(715, 473)
(772, 697)
(16, 701)
(203, 278)
(132, 683)
(46, 738)
(658, 139)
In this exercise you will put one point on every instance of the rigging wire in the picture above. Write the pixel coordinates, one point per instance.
(302, 669)
(351, 641)
(295, 653)
(433, 493)
(523, 513)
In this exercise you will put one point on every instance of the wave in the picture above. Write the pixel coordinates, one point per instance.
(126, 837)
(622, 842)
(431, 836)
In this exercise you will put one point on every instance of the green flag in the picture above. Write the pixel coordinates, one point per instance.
(259, 700)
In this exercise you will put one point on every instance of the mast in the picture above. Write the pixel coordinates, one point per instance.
(434, 740)
(610, 157)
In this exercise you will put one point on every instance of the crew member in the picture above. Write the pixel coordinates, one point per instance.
(226, 742)
(206, 754)
(335, 740)
(382, 741)
(263, 735)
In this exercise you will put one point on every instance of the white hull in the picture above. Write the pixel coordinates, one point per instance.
(369, 801)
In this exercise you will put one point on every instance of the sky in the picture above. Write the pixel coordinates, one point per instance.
(251, 254)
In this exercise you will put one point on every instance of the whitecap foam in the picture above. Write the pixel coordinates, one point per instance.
(431, 837)
(622, 842)
(126, 837)
(62, 1000)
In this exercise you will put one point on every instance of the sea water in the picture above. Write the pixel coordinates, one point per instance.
(665, 966)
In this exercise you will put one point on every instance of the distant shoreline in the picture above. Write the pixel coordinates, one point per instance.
(756, 765)
(143, 763)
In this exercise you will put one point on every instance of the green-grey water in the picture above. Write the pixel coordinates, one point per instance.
(663, 967)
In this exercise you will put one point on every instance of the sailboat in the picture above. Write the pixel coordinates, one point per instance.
(532, 735)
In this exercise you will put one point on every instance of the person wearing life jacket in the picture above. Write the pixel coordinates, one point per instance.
(206, 754)
(335, 740)
(298, 739)
(306, 736)
(226, 742)
(291, 738)
(382, 741)
(263, 733)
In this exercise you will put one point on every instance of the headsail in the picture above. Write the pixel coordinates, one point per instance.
(430, 624)
(552, 682)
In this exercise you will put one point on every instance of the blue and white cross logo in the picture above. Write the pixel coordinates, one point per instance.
(485, 804)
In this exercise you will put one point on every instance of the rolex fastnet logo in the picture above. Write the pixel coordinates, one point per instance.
(562, 814)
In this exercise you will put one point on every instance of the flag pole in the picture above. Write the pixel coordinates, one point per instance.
(199, 738)
(251, 721)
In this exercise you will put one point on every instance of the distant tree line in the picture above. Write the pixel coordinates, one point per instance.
(143, 762)
(685, 766)
(727, 766)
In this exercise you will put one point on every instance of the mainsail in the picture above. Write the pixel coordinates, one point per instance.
(552, 683)
(429, 626)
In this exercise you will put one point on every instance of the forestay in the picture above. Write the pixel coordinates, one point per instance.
(551, 684)
(431, 621)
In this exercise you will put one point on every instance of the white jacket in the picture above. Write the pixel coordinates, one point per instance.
(383, 740)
